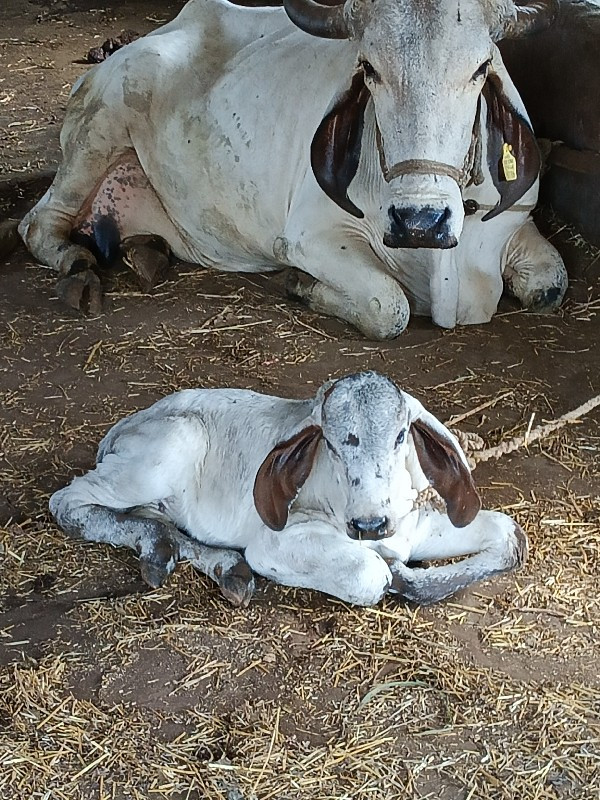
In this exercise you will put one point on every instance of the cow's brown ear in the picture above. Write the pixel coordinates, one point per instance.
(283, 473)
(335, 148)
(446, 471)
(513, 156)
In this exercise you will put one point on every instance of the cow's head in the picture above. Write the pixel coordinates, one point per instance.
(425, 64)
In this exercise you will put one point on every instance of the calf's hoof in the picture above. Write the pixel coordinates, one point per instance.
(236, 583)
(159, 562)
(81, 291)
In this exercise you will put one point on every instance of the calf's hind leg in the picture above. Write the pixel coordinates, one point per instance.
(158, 543)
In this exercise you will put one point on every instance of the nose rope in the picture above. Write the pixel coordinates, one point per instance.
(422, 166)
(470, 173)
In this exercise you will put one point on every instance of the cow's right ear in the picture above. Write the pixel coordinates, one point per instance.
(283, 473)
(335, 148)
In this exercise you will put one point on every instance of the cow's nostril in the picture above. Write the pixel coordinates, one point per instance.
(373, 528)
(420, 227)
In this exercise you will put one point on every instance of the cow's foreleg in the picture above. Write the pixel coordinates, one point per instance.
(158, 543)
(493, 541)
(367, 298)
(534, 273)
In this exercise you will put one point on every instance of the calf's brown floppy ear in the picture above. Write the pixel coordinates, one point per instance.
(446, 472)
(335, 148)
(283, 473)
(513, 156)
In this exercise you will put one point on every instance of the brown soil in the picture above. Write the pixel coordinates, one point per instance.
(109, 690)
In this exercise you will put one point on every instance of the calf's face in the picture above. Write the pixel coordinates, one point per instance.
(365, 426)
(365, 423)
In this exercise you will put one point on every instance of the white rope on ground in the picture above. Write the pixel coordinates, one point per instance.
(537, 433)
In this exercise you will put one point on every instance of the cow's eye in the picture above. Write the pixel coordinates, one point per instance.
(370, 71)
(400, 438)
(482, 70)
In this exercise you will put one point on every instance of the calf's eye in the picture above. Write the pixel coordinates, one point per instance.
(400, 437)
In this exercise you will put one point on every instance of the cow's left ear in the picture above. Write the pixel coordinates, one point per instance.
(443, 464)
(513, 156)
(335, 148)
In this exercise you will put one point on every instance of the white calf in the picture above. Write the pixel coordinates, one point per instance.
(315, 493)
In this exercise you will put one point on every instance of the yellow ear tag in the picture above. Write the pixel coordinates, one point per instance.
(509, 163)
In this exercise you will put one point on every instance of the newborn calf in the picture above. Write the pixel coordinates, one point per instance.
(314, 493)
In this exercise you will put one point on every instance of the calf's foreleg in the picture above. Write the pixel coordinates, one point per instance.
(493, 541)
(313, 554)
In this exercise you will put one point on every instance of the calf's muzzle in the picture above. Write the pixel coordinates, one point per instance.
(373, 528)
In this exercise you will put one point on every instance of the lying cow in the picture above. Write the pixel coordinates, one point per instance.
(315, 493)
(345, 141)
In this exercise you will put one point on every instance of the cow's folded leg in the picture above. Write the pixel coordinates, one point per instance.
(368, 299)
(534, 273)
(148, 256)
(497, 543)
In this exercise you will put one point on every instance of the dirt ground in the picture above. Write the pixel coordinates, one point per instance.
(110, 690)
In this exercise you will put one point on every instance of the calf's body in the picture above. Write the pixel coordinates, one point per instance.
(311, 493)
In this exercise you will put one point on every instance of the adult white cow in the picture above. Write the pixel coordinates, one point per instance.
(345, 141)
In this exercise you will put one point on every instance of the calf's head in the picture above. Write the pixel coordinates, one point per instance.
(365, 427)
(425, 65)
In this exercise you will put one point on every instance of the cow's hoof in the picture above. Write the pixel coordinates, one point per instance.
(298, 285)
(159, 562)
(547, 300)
(81, 291)
(237, 584)
(148, 256)
(9, 237)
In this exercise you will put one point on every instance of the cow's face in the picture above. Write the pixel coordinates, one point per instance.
(425, 65)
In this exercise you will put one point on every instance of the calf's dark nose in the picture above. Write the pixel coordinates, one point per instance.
(420, 227)
(374, 528)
